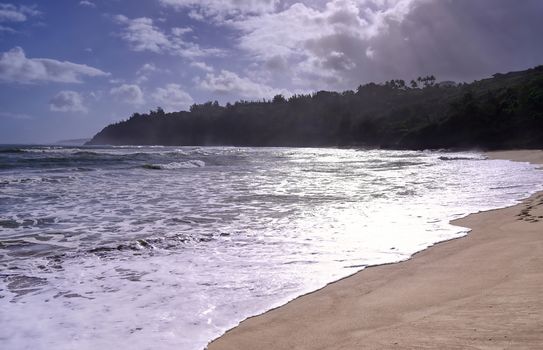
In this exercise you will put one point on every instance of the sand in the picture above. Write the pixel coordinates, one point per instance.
(483, 291)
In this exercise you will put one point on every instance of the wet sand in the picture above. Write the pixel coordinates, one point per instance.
(482, 291)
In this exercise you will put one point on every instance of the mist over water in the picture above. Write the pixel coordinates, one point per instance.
(168, 247)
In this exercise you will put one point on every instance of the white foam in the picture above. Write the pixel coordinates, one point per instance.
(187, 255)
(183, 165)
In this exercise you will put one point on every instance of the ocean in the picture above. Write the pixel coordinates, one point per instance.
(169, 247)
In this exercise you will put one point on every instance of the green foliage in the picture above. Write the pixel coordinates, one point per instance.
(505, 111)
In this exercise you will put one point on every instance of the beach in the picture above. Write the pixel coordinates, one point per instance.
(482, 291)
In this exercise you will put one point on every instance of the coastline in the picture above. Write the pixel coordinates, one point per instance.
(478, 291)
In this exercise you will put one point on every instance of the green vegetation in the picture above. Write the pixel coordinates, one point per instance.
(505, 111)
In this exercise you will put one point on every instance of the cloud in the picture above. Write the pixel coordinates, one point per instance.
(202, 65)
(16, 67)
(462, 40)
(229, 83)
(97, 94)
(4, 29)
(128, 93)
(180, 31)
(67, 101)
(142, 34)
(272, 34)
(13, 13)
(337, 44)
(86, 3)
(147, 68)
(172, 98)
(221, 9)
(116, 81)
(142, 75)
(330, 42)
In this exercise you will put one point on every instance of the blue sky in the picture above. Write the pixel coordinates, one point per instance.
(69, 68)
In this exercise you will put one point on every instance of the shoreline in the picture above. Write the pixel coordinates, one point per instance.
(480, 291)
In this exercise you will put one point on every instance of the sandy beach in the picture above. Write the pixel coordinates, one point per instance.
(482, 291)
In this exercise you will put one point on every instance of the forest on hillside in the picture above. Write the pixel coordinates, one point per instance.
(504, 111)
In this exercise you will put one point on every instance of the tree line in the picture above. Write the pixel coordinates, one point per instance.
(504, 111)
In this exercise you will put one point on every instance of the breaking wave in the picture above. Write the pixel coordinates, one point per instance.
(190, 164)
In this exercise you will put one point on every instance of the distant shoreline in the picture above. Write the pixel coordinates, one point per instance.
(482, 290)
(501, 112)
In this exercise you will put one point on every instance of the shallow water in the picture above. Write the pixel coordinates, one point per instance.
(168, 247)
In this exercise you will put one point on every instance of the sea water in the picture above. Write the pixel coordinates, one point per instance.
(168, 247)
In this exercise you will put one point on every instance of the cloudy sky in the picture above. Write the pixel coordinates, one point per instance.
(70, 67)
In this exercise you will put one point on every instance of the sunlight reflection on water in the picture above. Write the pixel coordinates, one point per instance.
(168, 247)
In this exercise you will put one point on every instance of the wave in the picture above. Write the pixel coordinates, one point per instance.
(12, 150)
(151, 167)
(139, 244)
(190, 164)
(44, 149)
(88, 153)
(35, 180)
(445, 158)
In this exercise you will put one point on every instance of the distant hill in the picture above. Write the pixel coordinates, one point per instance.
(505, 111)
(74, 142)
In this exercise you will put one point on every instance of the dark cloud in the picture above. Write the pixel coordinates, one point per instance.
(460, 40)
(347, 42)
(67, 101)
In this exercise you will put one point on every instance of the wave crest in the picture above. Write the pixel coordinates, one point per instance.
(190, 164)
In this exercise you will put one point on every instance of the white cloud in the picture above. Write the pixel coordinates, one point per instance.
(202, 65)
(8, 15)
(370, 52)
(147, 68)
(86, 3)
(271, 34)
(180, 31)
(6, 29)
(229, 83)
(145, 71)
(172, 98)
(221, 9)
(13, 13)
(16, 67)
(338, 44)
(116, 81)
(128, 93)
(96, 95)
(143, 35)
(330, 41)
(197, 16)
(67, 101)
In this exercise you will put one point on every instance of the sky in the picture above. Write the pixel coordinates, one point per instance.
(68, 68)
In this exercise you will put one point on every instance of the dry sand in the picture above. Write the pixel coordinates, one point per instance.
(483, 291)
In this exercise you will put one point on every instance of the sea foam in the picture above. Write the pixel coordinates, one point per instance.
(171, 259)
